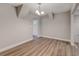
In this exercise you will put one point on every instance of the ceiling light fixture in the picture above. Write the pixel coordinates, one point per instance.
(38, 11)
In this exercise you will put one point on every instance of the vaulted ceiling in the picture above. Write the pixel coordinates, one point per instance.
(46, 7)
(51, 7)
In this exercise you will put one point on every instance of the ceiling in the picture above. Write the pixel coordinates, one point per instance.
(51, 7)
(15, 4)
(46, 7)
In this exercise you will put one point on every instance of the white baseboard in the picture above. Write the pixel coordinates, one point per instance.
(14, 45)
(66, 40)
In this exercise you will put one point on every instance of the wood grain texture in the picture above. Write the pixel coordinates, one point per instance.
(42, 47)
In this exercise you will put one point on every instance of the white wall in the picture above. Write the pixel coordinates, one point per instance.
(76, 28)
(13, 30)
(59, 27)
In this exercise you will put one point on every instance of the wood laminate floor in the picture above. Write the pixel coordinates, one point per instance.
(42, 47)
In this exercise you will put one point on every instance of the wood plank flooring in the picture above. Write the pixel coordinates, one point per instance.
(42, 47)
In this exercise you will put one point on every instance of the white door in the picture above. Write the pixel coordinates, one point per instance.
(35, 28)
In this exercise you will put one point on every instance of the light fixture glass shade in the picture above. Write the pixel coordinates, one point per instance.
(42, 12)
(37, 12)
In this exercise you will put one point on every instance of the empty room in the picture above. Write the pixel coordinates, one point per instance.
(39, 29)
